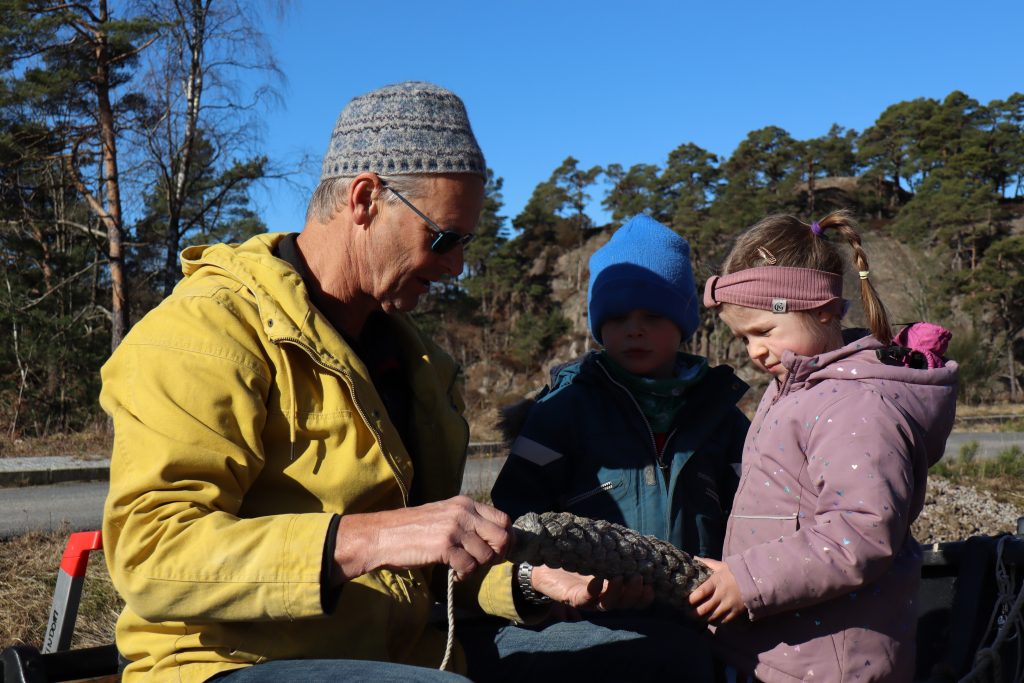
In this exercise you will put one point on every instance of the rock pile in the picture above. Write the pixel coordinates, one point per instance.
(953, 512)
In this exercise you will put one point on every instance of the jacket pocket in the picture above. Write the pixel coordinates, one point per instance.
(746, 530)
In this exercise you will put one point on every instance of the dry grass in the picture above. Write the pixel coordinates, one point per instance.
(28, 572)
(94, 442)
(996, 417)
(990, 409)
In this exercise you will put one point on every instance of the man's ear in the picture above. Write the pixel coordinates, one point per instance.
(362, 198)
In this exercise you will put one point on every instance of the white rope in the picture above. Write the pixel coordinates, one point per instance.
(450, 645)
(1007, 612)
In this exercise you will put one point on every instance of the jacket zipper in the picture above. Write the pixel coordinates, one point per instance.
(650, 430)
(359, 409)
(607, 486)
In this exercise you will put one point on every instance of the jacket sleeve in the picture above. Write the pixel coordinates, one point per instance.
(187, 391)
(534, 474)
(858, 461)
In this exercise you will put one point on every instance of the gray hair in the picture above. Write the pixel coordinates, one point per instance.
(332, 193)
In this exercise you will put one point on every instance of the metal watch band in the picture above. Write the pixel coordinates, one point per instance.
(524, 577)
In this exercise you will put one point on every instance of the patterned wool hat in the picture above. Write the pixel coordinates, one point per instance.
(403, 129)
(644, 266)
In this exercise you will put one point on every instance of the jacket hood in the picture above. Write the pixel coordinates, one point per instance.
(281, 295)
(279, 291)
(928, 396)
(288, 316)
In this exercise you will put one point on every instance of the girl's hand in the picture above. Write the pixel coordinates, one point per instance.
(718, 600)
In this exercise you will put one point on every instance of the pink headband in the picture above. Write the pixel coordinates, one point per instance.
(775, 288)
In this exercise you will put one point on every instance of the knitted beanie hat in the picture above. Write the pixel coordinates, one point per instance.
(644, 266)
(408, 128)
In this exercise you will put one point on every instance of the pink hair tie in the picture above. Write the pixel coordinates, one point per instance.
(816, 228)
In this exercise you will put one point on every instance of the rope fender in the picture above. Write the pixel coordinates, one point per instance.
(606, 550)
(597, 548)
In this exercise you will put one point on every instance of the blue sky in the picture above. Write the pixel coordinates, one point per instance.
(628, 82)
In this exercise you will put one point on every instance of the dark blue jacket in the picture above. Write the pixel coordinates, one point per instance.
(587, 448)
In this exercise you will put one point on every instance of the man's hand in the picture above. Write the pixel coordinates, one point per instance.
(718, 600)
(587, 592)
(458, 532)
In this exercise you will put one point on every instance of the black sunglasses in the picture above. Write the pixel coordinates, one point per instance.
(444, 239)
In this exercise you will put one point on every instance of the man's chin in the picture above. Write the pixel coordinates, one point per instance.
(404, 305)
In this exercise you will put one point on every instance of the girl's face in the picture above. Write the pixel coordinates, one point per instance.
(642, 343)
(767, 335)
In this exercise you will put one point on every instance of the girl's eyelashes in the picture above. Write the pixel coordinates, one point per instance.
(753, 333)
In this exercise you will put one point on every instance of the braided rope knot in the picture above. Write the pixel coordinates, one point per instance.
(606, 550)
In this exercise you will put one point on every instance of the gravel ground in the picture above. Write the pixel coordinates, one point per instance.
(953, 512)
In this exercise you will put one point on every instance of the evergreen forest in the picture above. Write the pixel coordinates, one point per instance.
(124, 139)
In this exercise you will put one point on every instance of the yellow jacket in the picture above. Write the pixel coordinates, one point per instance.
(243, 422)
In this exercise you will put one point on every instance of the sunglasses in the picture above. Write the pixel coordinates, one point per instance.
(444, 239)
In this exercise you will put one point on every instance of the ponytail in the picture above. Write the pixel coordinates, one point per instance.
(874, 309)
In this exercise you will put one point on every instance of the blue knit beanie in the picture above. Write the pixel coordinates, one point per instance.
(644, 266)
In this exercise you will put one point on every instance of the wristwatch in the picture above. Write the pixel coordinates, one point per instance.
(524, 579)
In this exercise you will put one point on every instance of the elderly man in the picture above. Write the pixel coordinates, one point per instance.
(289, 446)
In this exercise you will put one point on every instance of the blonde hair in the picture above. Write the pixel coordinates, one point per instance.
(786, 241)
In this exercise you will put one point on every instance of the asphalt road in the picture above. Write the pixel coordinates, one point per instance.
(990, 444)
(77, 504)
(80, 505)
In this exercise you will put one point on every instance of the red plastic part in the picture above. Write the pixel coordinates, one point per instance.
(76, 553)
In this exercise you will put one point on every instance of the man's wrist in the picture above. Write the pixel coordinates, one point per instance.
(524, 582)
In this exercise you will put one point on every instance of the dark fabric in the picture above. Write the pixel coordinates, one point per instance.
(607, 647)
(602, 461)
(351, 671)
(329, 595)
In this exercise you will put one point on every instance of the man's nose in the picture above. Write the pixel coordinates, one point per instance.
(453, 261)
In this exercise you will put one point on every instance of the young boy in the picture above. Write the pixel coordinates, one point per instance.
(638, 433)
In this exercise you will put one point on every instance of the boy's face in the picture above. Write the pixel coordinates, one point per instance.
(642, 342)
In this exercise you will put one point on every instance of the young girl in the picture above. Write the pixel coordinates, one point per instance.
(818, 558)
